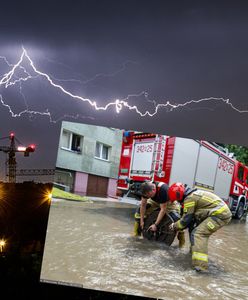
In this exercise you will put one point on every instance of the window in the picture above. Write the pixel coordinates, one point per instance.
(102, 151)
(75, 144)
(71, 141)
(240, 173)
(65, 139)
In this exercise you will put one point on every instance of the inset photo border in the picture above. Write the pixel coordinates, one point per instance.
(92, 238)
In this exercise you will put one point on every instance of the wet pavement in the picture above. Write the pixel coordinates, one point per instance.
(91, 245)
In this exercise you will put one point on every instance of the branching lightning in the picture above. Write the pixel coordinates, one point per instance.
(95, 77)
(99, 75)
(13, 77)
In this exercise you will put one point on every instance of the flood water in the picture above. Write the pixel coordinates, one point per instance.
(91, 245)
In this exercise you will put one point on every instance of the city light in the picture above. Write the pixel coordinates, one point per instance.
(47, 196)
(2, 244)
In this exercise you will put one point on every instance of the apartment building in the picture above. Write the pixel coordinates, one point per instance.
(88, 159)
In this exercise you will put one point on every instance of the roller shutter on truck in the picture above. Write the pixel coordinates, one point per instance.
(214, 172)
(184, 161)
(224, 177)
(197, 165)
(206, 168)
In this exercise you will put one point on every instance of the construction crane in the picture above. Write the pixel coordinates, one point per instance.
(11, 151)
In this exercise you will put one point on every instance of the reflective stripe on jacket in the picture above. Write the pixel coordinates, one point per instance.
(200, 205)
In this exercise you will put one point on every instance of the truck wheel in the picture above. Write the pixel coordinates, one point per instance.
(240, 211)
(163, 233)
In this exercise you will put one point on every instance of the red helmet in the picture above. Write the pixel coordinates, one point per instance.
(176, 191)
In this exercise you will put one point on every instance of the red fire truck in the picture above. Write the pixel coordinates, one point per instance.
(201, 164)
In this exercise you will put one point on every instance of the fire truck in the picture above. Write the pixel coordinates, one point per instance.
(197, 163)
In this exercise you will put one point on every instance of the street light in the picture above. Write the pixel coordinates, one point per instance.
(46, 197)
(2, 244)
(49, 196)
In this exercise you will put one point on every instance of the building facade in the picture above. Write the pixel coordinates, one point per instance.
(88, 159)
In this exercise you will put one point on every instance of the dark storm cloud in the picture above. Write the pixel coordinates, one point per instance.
(176, 51)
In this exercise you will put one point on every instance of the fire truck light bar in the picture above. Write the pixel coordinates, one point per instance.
(144, 135)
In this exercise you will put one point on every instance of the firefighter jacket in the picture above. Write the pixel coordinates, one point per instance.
(199, 205)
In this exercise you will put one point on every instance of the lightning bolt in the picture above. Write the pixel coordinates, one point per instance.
(10, 79)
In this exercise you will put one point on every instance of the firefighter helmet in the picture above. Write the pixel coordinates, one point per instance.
(176, 191)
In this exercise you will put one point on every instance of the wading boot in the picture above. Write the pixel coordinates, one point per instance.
(181, 239)
(136, 229)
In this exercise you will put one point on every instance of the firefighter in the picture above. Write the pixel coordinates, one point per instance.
(209, 213)
(155, 195)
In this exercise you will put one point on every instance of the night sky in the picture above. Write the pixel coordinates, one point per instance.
(163, 51)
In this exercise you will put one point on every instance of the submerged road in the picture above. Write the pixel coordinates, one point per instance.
(91, 245)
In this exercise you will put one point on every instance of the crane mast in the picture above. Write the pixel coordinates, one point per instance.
(11, 161)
